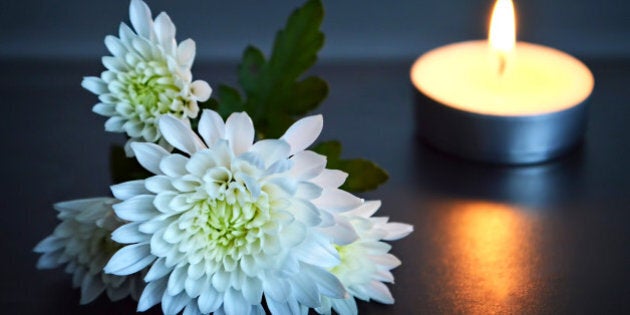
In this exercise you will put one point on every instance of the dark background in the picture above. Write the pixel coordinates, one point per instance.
(542, 239)
(365, 29)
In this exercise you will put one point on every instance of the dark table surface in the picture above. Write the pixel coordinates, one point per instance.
(544, 239)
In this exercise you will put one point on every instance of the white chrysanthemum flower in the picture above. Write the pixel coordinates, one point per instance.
(147, 76)
(366, 263)
(230, 222)
(82, 242)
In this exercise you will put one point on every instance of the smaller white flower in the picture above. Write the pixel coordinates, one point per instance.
(365, 263)
(82, 242)
(147, 76)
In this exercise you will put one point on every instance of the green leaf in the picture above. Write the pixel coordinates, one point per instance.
(331, 149)
(309, 93)
(250, 68)
(363, 175)
(230, 101)
(209, 104)
(296, 46)
(123, 168)
(275, 96)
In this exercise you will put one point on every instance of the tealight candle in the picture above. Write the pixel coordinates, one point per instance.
(499, 100)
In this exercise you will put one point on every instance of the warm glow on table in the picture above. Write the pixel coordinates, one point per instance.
(490, 257)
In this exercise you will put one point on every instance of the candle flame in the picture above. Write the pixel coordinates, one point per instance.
(502, 35)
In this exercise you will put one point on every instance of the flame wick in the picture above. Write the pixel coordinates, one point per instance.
(502, 64)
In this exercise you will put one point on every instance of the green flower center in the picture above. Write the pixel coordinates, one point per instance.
(143, 93)
(150, 87)
(225, 229)
(229, 225)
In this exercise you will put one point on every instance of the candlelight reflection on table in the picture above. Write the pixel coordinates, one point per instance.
(488, 259)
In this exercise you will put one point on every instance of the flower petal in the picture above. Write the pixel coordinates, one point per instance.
(192, 309)
(126, 190)
(317, 250)
(95, 85)
(305, 290)
(49, 244)
(328, 284)
(138, 208)
(104, 109)
(397, 230)
(91, 287)
(117, 293)
(115, 46)
(114, 64)
(172, 305)
(277, 307)
(159, 247)
(276, 288)
(209, 299)
(129, 234)
(234, 303)
(337, 200)
(278, 167)
(239, 131)
(143, 47)
(345, 306)
(387, 260)
(129, 259)
(177, 280)
(152, 294)
(125, 33)
(200, 90)
(367, 209)
(179, 135)
(330, 178)
(303, 132)
(79, 205)
(194, 286)
(49, 260)
(379, 292)
(306, 190)
(305, 212)
(157, 271)
(149, 155)
(252, 290)
(115, 124)
(201, 162)
(211, 127)
(158, 183)
(342, 232)
(271, 150)
(165, 32)
(140, 16)
(174, 165)
(186, 53)
(307, 164)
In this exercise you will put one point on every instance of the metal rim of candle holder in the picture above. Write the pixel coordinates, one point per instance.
(513, 140)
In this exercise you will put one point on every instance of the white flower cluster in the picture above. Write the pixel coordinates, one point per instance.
(147, 76)
(82, 242)
(226, 224)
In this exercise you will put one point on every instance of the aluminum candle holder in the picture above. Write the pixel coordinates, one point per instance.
(500, 139)
(502, 100)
